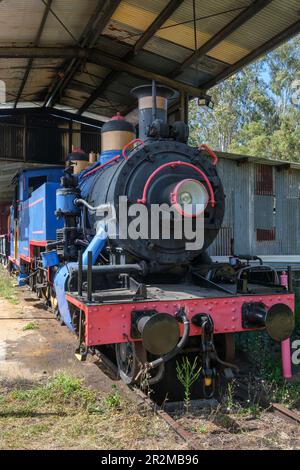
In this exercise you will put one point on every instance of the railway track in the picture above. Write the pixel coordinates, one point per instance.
(143, 398)
(188, 437)
(286, 414)
(191, 441)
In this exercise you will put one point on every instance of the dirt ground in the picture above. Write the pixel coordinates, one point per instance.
(30, 358)
(49, 400)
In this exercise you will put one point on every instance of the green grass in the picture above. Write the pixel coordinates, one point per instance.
(32, 325)
(65, 414)
(7, 289)
(61, 389)
(265, 357)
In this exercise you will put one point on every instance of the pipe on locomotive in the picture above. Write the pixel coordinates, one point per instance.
(182, 317)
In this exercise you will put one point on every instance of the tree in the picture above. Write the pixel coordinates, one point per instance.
(254, 111)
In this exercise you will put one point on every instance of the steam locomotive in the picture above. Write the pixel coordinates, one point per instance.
(148, 301)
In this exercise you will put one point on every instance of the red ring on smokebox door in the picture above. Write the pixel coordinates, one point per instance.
(178, 206)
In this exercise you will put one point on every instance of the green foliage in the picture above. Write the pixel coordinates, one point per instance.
(61, 389)
(7, 290)
(113, 400)
(265, 357)
(188, 373)
(254, 112)
(32, 325)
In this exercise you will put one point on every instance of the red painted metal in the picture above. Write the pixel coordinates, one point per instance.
(27, 259)
(14, 261)
(111, 323)
(211, 153)
(38, 243)
(264, 181)
(114, 158)
(132, 142)
(101, 166)
(143, 200)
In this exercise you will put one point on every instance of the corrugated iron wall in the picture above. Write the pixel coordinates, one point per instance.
(262, 209)
(44, 140)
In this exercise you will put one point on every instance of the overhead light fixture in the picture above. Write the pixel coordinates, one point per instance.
(206, 101)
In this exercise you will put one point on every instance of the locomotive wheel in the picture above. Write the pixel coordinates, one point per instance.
(128, 363)
(32, 282)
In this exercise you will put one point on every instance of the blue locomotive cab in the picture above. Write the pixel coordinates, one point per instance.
(33, 220)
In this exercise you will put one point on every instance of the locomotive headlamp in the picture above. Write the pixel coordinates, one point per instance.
(185, 198)
(190, 198)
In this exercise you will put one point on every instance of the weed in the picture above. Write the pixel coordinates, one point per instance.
(32, 325)
(113, 400)
(265, 358)
(188, 373)
(229, 397)
(7, 290)
(64, 414)
(61, 389)
(202, 429)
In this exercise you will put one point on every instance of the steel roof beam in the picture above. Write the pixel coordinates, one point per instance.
(97, 57)
(89, 38)
(20, 52)
(98, 91)
(123, 66)
(36, 42)
(288, 33)
(169, 9)
(231, 27)
(44, 112)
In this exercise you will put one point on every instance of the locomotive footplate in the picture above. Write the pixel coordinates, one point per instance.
(109, 321)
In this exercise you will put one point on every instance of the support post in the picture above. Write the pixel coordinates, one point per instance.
(286, 359)
(184, 107)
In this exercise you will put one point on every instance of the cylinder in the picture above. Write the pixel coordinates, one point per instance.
(79, 159)
(115, 134)
(92, 157)
(65, 201)
(147, 113)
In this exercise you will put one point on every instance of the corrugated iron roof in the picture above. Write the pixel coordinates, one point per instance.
(153, 35)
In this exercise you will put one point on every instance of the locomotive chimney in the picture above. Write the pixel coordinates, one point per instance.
(153, 105)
